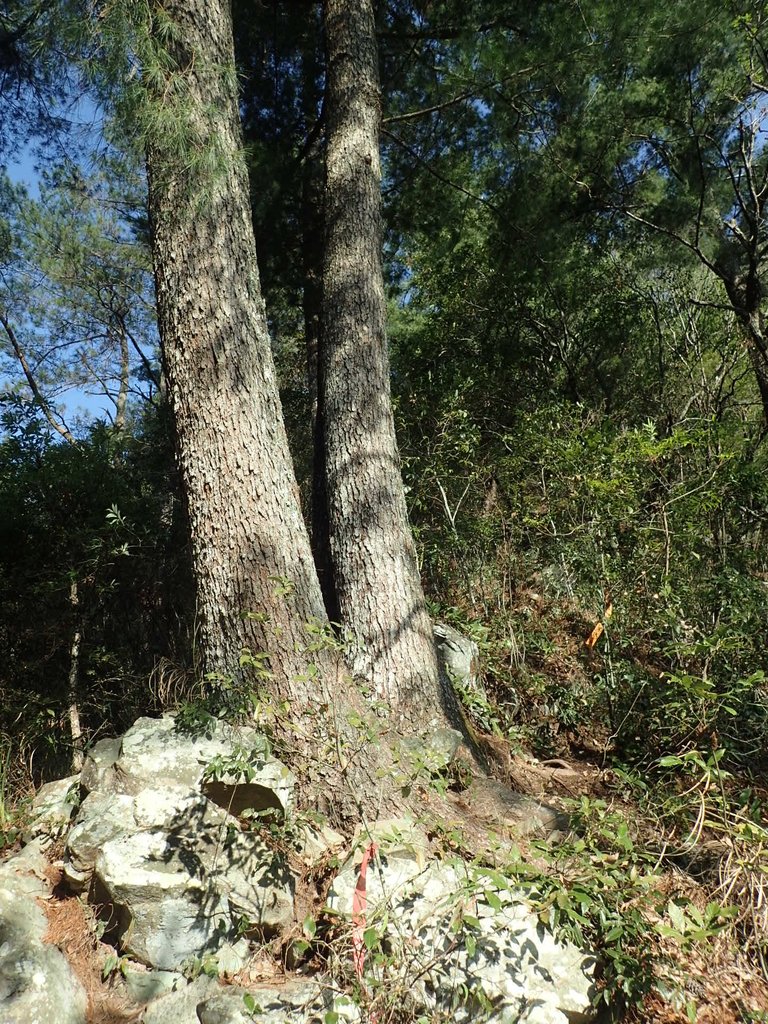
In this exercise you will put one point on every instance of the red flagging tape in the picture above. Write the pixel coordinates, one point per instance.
(359, 902)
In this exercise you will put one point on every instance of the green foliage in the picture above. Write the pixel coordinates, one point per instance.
(79, 271)
(245, 695)
(12, 807)
(36, 39)
(144, 68)
(586, 513)
(567, 186)
(242, 763)
(201, 966)
(598, 890)
(101, 517)
(230, 698)
(689, 925)
(115, 966)
(602, 891)
(576, 413)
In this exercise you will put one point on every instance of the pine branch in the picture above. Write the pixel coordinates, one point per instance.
(45, 407)
(413, 114)
(435, 174)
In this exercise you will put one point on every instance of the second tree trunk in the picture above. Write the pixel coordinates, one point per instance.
(377, 584)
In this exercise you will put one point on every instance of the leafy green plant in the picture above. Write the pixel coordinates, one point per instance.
(196, 966)
(115, 966)
(13, 806)
(11, 824)
(689, 926)
(480, 710)
(601, 891)
(233, 699)
(242, 763)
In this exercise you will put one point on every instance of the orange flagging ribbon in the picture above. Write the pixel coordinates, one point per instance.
(359, 902)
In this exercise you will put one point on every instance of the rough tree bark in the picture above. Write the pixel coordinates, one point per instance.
(745, 295)
(246, 529)
(250, 548)
(376, 576)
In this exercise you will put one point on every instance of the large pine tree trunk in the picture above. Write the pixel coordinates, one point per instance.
(374, 560)
(250, 548)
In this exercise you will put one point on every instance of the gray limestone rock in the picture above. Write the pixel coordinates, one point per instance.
(25, 871)
(298, 1001)
(314, 843)
(168, 910)
(458, 657)
(432, 752)
(182, 877)
(179, 896)
(105, 816)
(256, 881)
(53, 807)
(98, 768)
(144, 986)
(155, 749)
(175, 867)
(181, 1005)
(268, 785)
(402, 852)
(456, 935)
(101, 818)
(36, 983)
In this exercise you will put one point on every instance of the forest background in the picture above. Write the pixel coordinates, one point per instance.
(574, 242)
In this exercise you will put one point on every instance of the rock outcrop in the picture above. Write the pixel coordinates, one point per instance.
(458, 943)
(157, 835)
(37, 984)
(156, 841)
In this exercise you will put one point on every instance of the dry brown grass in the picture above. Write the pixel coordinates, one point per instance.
(71, 929)
(726, 989)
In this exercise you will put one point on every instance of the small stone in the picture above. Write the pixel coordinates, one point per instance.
(180, 1006)
(144, 986)
(99, 763)
(53, 807)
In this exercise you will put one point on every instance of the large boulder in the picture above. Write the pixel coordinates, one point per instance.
(155, 749)
(402, 855)
(143, 986)
(431, 752)
(458, 658)
(176, 897)
(166, 908)
(458, 941)
(256, 881)
(37, 984)
(158, 842)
